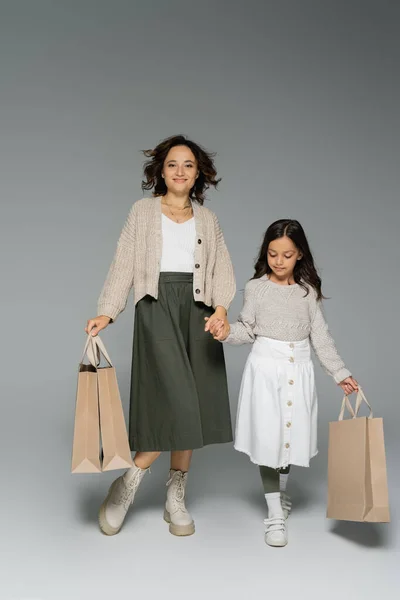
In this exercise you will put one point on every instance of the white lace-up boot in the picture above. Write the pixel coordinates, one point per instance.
(120, 496)
(175, 513)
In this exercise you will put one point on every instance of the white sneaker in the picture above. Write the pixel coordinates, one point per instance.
(120, 496)
(286, 504)
(175, 513)
(276, 532)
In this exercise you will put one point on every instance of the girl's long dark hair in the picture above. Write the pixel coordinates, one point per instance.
(153, 168)
(305, 272)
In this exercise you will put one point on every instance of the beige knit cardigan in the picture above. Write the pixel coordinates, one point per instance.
(137, 259)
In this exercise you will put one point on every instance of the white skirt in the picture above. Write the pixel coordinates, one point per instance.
(276, 422)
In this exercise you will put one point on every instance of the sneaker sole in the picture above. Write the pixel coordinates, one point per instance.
(179, 530)
(104, 525)
(282, 545)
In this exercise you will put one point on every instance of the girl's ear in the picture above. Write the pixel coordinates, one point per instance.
(300, 256)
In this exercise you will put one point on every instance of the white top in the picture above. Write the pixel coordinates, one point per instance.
(178, 244)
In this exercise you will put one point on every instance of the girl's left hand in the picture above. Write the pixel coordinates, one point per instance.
(349, 385)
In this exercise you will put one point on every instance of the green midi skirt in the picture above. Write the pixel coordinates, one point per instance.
(179, 392)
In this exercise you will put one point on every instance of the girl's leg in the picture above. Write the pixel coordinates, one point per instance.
(275, 527)
(283, 477)
(176, 514)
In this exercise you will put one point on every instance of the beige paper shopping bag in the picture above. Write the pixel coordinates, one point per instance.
(86, 441)
(357, 478)
(116, 450)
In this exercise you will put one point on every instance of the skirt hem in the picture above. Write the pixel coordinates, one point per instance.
(178, 447)
(255, 462)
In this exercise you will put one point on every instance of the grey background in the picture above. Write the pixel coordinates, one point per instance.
(300, 100)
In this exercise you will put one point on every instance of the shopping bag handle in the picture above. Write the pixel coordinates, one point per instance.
(354, 412)
(346, 404)
(360, 399)
(90, 352)
(98, 342)
(93, 347)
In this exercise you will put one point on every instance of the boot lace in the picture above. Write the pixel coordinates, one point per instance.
(129, 490)
(180, 482)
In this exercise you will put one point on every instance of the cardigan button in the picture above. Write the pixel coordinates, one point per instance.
(197, 291)
(199, 241)
(197, 266)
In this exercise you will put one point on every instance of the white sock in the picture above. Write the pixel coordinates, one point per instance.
(274, 505)
(283, 481)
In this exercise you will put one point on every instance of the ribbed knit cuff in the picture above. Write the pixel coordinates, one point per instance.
(341, 374)
(108, 310)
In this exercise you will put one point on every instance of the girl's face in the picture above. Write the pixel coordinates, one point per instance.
(180, 170)
(282, 257)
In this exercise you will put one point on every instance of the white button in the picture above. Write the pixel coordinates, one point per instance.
(290, 403)
(288, 424)
(287, 445)
(291, 382)
(291, 345)
(291, 359)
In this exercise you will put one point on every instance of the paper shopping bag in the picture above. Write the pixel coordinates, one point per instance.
(357, 478)
(116, 450)
(86, 441)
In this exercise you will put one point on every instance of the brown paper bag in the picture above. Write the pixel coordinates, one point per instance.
(357, 479)
(86, 442)
(116, 450)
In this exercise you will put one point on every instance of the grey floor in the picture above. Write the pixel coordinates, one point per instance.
(52, 548)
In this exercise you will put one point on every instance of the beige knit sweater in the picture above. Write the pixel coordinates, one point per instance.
(284, 312)
(137, 260)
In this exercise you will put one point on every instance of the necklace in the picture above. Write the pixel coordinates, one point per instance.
(176, 218)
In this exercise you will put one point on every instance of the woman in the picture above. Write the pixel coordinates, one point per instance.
(172, 251)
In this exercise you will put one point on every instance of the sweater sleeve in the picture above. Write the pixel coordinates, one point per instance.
(242, 332)
(224, 285)
(119, 281)
(324, 345)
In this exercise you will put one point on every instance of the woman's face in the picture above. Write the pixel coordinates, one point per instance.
(282, 257)
(180, 170)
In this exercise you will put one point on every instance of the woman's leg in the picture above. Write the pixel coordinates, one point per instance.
(144, 460)
(176, 514)
(122, 493)
(180, 460)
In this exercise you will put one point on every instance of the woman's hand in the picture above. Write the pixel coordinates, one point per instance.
(349, 385)
(217, 324)
(94, 326)
(220, 329)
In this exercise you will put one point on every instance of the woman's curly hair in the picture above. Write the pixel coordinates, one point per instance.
(153, 168)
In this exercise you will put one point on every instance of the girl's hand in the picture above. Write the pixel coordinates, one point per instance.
(219, 314)
(219, 329)
(349, 385)
(94, 326)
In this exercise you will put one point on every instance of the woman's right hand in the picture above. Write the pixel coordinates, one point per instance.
(94, 326)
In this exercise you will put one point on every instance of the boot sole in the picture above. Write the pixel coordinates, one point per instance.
(179, 530)
(104, 525)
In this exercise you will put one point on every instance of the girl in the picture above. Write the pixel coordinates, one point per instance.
(172, 251)
(277, 412)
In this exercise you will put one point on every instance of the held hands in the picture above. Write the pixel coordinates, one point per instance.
(218, 324)
(349, 385)
(94, 326)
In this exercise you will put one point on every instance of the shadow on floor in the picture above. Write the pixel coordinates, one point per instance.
(370, 535)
